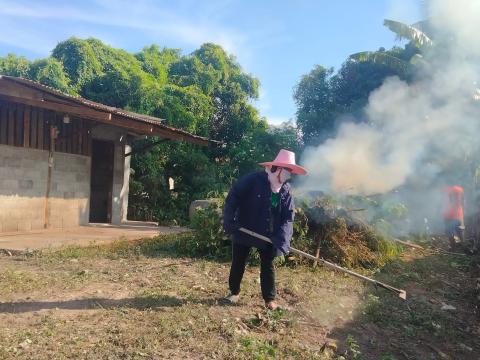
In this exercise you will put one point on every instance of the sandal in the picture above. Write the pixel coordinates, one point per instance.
(271, 305)
(232, 299)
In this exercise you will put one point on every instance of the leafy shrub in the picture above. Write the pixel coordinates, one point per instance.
(210, 240)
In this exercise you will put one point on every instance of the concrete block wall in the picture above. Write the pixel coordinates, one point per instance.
(23, 183)
(70, 191)
(23, 186)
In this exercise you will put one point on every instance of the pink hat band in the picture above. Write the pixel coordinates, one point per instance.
(286, 159)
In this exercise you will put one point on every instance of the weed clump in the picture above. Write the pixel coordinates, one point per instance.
(334, 232)
(210, 240)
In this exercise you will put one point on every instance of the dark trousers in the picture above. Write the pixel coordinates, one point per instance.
(267, 271)
(454, 229)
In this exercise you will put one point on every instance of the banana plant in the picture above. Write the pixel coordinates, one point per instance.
(418, 38)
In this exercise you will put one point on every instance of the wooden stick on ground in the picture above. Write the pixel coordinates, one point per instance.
(433, 249)
(401, 293)
(415, 246)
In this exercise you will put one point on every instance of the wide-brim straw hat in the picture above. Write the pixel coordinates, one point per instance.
(286, 159)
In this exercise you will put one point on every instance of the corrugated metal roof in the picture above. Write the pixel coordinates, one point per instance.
(109, 109)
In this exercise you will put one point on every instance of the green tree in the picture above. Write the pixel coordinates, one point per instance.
(102, 73)
(316, 107)
(157, 61)
(79, 61)
(325, 99)
(50, 72)
(13, 65)
(355, 80)
(220, 77)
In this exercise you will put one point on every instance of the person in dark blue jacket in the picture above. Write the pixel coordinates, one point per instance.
(261, 202)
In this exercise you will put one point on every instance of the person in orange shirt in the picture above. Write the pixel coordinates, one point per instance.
(453, 214)
(476, 227)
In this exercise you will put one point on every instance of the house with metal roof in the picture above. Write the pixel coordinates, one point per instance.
(64, 160)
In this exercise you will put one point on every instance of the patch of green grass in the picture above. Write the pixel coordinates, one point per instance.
(257, 349)
(416, 316)
(15, 280)
(353, 348)
(122, 248)
(153, 299)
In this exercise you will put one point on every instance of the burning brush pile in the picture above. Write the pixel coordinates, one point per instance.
(350, 236)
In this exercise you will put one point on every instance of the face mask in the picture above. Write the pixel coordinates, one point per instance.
(285, 175)
(277, 178)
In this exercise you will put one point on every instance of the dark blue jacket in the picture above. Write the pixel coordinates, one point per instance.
(248, 205)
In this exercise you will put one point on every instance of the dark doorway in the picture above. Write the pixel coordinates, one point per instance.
(101, 182)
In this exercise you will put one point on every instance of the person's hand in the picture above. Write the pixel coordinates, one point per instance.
(231, 228)
(285, 251)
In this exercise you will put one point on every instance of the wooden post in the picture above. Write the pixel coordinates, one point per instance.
(18, 137)
(3, 124)
(40, 129)
(26, 126)
(317, 255)
(53, 135)
(317, 250)
(11, 126)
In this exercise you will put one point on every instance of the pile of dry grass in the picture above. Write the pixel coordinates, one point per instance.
(336, 234)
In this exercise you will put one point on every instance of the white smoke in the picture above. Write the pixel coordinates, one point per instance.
(416, 132)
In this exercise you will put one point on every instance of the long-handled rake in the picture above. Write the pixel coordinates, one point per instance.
(401, 293)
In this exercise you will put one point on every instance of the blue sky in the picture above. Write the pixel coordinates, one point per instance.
(276, 41)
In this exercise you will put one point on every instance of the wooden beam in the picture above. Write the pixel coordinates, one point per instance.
(26, 126)
(79, 136)
(19, 125)
(34, 128)
(85, 130)
(100, 116)
(77, 110)
(3, 124)
(49, 118)
(40, 130)
(146, 147)
(88, 138)
(9, 88)
(152, 130)
(11, 126)
(74, 136)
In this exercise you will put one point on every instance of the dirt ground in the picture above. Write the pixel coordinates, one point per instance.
(122, 302)
(82, 235)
